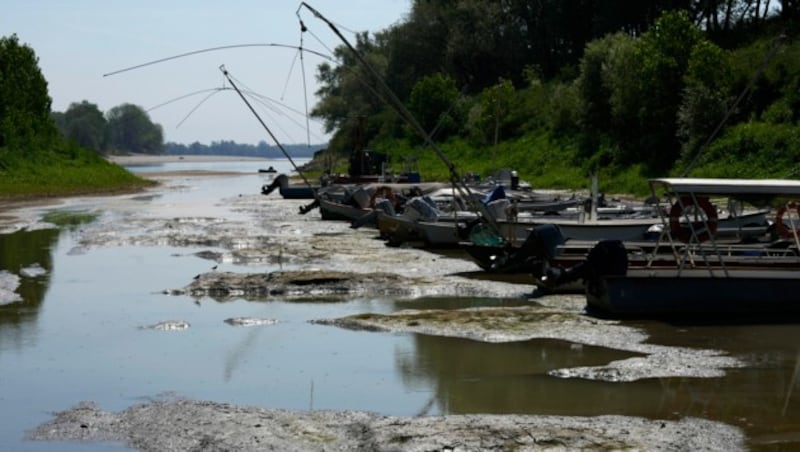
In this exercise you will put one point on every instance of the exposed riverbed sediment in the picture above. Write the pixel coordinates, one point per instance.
(312, 259)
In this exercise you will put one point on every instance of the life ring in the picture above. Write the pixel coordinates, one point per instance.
(685, 232)
(783, 228)
(383, 192)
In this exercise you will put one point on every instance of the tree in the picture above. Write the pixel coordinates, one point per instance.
(433, 103)
(130, 130)
(415, 48)
(706, 95)
(25, 121)
(349, 91)
(85, 124)
(663, 54)
(609, 96)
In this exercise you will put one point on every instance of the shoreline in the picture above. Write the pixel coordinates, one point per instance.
(148, 159)
(264, 228)
(8, 204)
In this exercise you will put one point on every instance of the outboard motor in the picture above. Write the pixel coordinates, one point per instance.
(543, 241)
(539, 247)
(606, 258)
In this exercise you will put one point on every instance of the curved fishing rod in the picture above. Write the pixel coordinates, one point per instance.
(262, 99)
(194, 109)
(395, 103)
(301, 49)
(264, 125)
(185, 96)
(215, 49)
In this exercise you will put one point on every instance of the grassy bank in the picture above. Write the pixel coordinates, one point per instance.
(541, 160)
(54, 175)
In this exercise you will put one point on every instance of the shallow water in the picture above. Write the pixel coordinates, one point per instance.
(78, 335)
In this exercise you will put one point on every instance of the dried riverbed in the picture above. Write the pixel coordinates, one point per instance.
(329, 260)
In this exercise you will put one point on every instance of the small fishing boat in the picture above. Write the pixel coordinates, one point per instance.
(700, 275)
(422, 221)
(361, 204)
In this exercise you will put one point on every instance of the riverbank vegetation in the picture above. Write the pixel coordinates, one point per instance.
(558, 90)
(35, 159)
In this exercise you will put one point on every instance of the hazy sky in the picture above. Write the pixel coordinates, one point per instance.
(78, 41)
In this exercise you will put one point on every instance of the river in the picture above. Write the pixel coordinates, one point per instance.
(91, 293)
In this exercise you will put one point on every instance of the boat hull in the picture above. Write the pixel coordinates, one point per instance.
(336, 211)
(650, 292)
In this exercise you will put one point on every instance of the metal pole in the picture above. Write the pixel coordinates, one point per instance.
(405, 114)
(278, 143)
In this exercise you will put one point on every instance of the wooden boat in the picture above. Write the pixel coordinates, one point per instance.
(699, 276)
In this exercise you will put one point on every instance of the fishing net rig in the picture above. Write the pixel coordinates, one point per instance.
(245, 93)
(267, 102)
(264, 125)
(393, 101)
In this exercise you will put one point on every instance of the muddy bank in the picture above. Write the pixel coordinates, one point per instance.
(196, 425)
(332, 284)
(309, 258)
(553, 317)
(555, 320)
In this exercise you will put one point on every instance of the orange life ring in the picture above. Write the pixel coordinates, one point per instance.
(684, 232)
(383, 192)
(782, 228)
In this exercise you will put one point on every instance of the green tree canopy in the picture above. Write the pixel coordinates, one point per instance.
(130, 130)
(85, 124)
(433, 102)
(25, 122)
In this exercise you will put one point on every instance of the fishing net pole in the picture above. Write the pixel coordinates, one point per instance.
(400, 108)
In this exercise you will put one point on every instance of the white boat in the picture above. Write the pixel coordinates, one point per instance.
(421, 221)
(360, 203)
(733, 226)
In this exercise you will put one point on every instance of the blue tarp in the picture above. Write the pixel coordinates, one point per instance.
(498, 192)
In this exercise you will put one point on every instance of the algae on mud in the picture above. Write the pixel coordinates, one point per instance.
(267, 251)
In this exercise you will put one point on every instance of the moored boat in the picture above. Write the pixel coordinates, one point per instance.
(287, 191)
(699, 276)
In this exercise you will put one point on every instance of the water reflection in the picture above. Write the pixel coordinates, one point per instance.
(479, 377)
(88, 345)
(18, 251)
(474, 377)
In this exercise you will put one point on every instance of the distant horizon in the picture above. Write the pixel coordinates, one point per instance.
(324, 144)
(230, 148)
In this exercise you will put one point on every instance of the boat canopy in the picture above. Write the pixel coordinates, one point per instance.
(734, 188)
